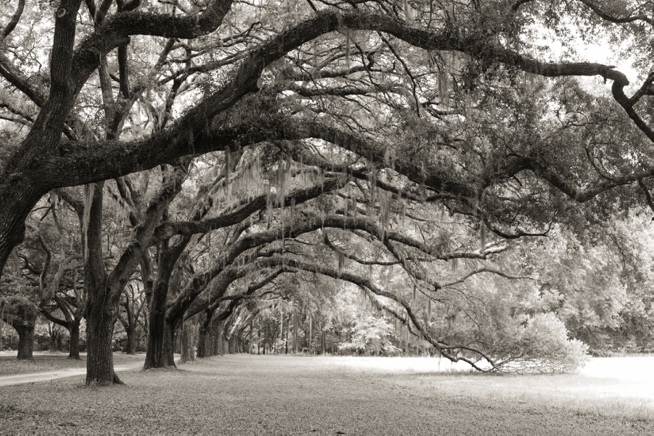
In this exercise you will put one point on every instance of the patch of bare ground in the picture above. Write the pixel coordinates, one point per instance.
(9, 365)
(243, 394)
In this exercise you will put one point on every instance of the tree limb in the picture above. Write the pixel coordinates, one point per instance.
(11, 25)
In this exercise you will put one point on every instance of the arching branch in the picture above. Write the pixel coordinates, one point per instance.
(11, 25)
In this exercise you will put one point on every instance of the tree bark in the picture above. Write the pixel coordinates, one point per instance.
(203, 342)
(21, 314)
(71, 323)
(310, 333)
(99, 335)
(73, 346)
(169, 344)
(286, 341)
(102, 303)
(218, 339)
(295, 322)
(204, 334)
(157, 354)
(18, 198)
(187, 352)
(130, 344)
(25, 341)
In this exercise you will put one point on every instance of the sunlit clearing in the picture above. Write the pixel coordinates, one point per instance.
(401, 365)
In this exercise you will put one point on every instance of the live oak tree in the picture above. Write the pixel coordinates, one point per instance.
(264, 247)
(62, 296)
(44, 273)
(447, 99)
(21, 313)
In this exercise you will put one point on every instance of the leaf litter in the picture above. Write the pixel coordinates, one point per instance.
(244, 394)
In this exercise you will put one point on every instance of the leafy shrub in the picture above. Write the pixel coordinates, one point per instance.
(371, 335)
(541, 344)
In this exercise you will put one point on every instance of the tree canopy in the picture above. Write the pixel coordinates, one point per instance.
(413, 149)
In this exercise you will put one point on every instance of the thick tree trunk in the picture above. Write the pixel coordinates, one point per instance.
(102, 302)
(204, 334)
(99, 334)
(215, 347)
(187, 353)
(25, 341)
(161, 343)
(231, 345)
(130, 344)
(169, 343)
(21, 314)
(154, 355)
(159, 353)
(203, 342)
(217, 342)
(73, 346)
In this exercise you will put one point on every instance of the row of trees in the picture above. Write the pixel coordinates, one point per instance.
(592, 282)
(421, 152)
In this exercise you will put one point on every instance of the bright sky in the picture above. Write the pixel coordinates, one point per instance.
(598, 50)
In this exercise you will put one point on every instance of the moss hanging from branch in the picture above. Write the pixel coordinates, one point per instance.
(89, 191)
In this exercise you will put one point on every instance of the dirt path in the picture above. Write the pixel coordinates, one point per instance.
(18, 379)
(243, 394)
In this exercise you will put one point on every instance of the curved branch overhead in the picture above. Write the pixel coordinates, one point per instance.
(418, 129)
(194, 123)
(291, 265)
(11, 25)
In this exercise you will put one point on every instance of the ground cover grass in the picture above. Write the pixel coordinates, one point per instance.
(243, 394)
(612, 387)
(46, 362)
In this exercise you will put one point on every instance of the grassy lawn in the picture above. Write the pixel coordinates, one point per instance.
(242, 394)
(46, 362)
